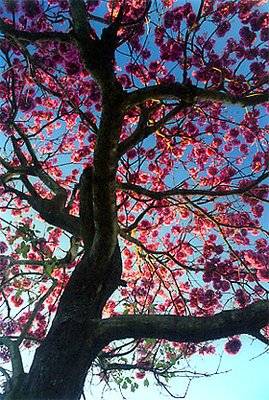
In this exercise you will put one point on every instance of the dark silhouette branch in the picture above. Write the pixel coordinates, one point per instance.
(15, 355)
(37, 168)
(246, 320)
(31, 37)
(127, 187)
(50, 210)
(144, 130)
(190, 94)
(81, 26)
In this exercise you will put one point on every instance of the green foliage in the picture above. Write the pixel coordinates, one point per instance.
(23, 250)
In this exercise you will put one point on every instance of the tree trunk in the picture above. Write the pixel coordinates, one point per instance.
(62, 361)
(60, 365)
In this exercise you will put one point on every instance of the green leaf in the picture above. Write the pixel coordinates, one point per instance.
(25, 250)
(173, 359)
(18, 292)
(150, 342)
(118, 380)
(134, 386)
(49, 268)
(146, 382)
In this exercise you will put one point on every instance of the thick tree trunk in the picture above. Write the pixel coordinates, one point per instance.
(62, 362)
(60, 366)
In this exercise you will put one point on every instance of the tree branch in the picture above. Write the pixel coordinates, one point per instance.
(37, 170)
(32, 37)
(16, 361)
(190, 93)
(190, 192)
(143, 131)
(246, 320)
(81, 26)
(86, 207)
(52, 211)
(38, 304)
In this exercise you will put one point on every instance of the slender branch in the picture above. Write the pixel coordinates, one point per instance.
(72, 252)
(248, 320)
(190, 192)
(38, 304)
(51, 211)
(45, 177)
(16, 361)
(167, 253)
(33, 36)
(12, 262)
(258, 335)
(143, 131)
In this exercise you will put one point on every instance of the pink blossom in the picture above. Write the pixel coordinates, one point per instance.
(31, 8)
(11, 5)
(264, 34)
(223, 28)
(247, 36)
(233, 346)
(3, 247)
(140, 374)
(225, 286)
(264, 54)
(263, 274)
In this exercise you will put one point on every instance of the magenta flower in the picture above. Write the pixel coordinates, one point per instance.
(225, 285)
(3, 263)
(31, 8)
(27, 103)
(263, 274)
(212, 171)
(247, 36)
(11, 5)
(72, 68)
(223, 28)
(3, 247)
(265, 54)
(264, 34)
(233, 346)
(140, 374)
(93, 4)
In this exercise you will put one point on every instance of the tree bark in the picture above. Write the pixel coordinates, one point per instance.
(248, 320)
(62, 362)
(190, 93)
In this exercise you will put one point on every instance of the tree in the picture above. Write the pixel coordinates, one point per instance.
(161, 114)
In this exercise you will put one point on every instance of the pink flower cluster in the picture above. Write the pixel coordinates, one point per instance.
(233, 346)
